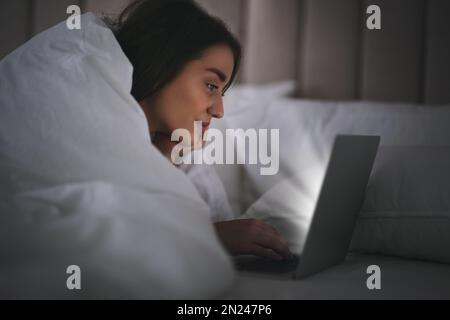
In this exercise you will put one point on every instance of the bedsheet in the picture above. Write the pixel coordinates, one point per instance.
(400, 279)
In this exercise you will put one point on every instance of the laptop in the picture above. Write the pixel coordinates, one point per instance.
(339, 202)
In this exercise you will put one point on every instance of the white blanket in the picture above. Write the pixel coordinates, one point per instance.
(83, 185)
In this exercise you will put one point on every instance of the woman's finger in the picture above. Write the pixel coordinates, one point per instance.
(270, 228)
(274, 243)
(275, 231)
(264, 252)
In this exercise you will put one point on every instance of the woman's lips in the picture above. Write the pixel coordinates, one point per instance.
(205, 126)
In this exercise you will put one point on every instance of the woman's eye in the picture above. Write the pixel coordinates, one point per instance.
(211, 87)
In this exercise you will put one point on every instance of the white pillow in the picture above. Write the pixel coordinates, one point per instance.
(307, 131)
(407, 206)
(247, 95)
(82, 183)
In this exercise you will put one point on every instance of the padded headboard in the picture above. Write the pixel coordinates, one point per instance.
(325, 45)
(407, 60)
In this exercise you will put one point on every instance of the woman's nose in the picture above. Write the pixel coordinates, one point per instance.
(216, 110)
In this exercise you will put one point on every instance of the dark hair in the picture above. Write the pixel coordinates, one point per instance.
(160, 36)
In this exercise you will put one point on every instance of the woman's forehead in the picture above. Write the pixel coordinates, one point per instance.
(218, 58)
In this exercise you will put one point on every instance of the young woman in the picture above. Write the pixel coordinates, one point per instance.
(184, 61)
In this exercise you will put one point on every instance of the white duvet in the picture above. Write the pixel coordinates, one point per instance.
(81, 183)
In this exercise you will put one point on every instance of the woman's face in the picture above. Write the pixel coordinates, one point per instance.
(194, 95)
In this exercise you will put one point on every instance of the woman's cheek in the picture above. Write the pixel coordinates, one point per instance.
(177, 115)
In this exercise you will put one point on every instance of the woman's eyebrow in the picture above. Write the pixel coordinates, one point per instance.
(219, 73)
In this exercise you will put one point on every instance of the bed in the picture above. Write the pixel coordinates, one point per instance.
(349, 79)
(400, 279)
(142, 231)
(403, 225)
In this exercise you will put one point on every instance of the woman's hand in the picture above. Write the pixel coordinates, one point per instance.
(253, 237)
